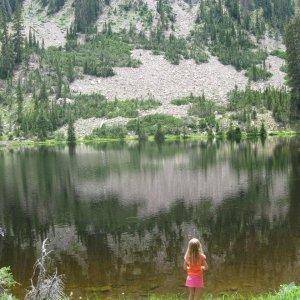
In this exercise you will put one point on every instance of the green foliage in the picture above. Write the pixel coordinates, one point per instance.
(150, 124)
(86, 13)
(165, 12)
(202, 107)
(146, 14)
(174, 48)
(277, 101)
(256, 73)
(7, 59)
(91, 68)
(234, 133)
(95, 105)
(71, 133)
(279, 53)
(54, 5)
(292, 41)
(286, 292)
(115, 132)
(96, 57)
(6, 280)
(181, 101)
(225, 32)
(17, 34)
(159, 135)
(253, 132)
(263, 131)
(1, 126)
(140, 131)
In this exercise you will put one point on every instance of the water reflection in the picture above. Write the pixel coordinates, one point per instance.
(121, 215)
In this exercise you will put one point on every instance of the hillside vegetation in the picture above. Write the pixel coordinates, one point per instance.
(65, 61)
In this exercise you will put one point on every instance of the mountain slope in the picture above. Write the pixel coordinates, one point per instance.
(191, 60)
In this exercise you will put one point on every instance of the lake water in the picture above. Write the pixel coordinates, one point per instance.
(119, 215)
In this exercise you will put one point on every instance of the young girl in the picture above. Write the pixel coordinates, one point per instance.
(194, 264)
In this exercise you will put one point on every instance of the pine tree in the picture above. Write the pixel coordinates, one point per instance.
(86, 13)
(42, 124)
(292, 41)
(71, 132)
(263, 131)
(18, 36)
(59, 82)
(7, 51)
(1, 127)
(70, 69)
(43, 95)
(19, 103)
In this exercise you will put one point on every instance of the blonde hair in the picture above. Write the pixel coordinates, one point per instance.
(193, 251)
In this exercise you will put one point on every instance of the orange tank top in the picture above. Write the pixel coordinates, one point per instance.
(196, 268)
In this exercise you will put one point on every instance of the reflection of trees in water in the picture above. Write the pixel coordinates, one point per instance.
(294, 189)
(244, 235)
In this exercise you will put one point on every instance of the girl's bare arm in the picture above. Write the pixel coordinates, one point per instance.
(205, 265)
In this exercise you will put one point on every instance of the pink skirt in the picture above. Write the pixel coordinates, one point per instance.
(194, 281)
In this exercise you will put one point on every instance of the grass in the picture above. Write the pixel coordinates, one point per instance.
(286, 292)
(279, 53)
(127, 138)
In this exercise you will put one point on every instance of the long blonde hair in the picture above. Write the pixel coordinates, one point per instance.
(193, 251)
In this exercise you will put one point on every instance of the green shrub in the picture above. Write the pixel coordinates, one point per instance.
(203, 108)
(279, 53)
(159, 135)
(256, 73)
(59, 136)
(95, 105)
(6, 282)
(252, 132)
(263, 131)
(168, 124)
(181, 101)
(116, 131)
(234, 133)
(100, 71)
(276, 100)
(140, 131)
(284, 68)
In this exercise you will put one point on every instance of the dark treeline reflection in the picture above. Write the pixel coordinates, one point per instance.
(121, 215)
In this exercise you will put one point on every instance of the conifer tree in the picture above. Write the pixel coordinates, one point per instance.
(71, 132)
(86, 12)
(19, 103)
(59, 79)
(18, 36)
(70, 69)
(1, 127)
(292, 40)
(7, 52)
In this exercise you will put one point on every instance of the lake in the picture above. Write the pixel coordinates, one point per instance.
(118, 216)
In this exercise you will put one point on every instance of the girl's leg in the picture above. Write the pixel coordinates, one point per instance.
(191, 293)
(198, 293)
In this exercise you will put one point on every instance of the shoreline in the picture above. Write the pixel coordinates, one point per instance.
(14, 144)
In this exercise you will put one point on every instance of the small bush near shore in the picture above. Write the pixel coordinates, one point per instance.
(286, 292)
(168, 124)
(6, 283)
(115, 132)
